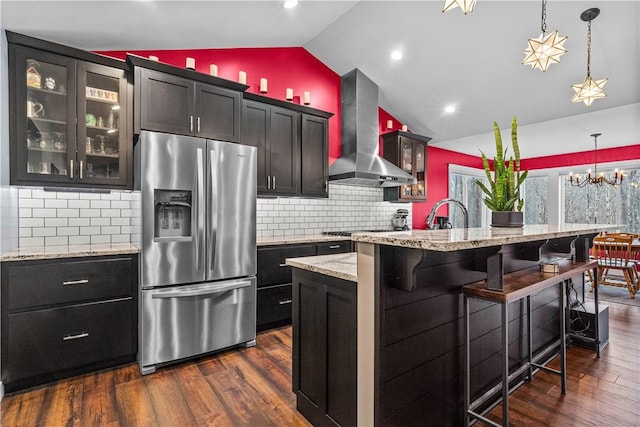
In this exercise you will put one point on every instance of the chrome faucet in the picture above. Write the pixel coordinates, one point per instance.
(432, 214)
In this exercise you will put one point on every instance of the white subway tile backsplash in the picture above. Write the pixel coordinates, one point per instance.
(43, 213)
(100, 204)
(110, 213)
(37, 232)
(89, 231)
(68, 213)
(89, 196)
(31, 241)
(90, 218)
(90, 213)
(109, 230)
(96, 239)
(68, 231)
(120, 238)
(100, 222)
(79, 240)
(54, 203)
(79, 204)
(56, 222)
(56, 241)
(68, 195)
(32, 203)
(79, 222)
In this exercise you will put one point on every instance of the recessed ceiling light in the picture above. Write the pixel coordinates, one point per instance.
(396, 54)
(289, 4)
(449, 109)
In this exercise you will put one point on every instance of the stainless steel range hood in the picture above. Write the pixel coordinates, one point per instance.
(360, 163)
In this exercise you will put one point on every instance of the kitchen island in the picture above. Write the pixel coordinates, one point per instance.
(409, 318)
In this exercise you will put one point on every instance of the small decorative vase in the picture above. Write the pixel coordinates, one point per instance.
(507, 219)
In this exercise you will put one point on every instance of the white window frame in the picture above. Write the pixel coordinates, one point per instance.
(471, 172)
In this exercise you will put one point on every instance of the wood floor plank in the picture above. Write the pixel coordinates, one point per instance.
(134, 404)
(168, 402)
(252, 387)
(204, 404)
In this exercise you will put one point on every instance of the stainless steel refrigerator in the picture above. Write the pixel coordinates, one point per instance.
(197, 246)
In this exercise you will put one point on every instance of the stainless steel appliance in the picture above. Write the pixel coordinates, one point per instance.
(198, 246)
(399, 220)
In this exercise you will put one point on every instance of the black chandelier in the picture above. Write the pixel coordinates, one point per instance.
(595, 177)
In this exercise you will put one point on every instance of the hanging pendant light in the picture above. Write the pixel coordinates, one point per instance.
(594, 177)
(465, 5)
(589, 90)
(547, 48)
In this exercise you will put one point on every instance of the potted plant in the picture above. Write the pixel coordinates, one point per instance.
(502, 195)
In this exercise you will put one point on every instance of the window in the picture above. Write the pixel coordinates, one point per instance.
(535, 194)
(462, 188)
(604, 204)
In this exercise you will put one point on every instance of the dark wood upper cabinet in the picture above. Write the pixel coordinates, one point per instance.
(70, 116)
(314, 154)
(409, 152)
(292, 142)
(274, 131)
(173, 100)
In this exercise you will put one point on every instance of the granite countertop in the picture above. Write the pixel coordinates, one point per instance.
(287, 240)
(67, 251)
(461, 238)
(342, 266)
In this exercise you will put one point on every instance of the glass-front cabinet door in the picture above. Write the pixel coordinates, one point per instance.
(101, 124)
(70, 121)
(407, 164)
(418, 189)
(45, 128)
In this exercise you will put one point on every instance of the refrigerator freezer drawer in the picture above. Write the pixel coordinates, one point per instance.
(184, 321)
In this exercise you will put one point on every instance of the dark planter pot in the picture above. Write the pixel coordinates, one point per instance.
(507, 219)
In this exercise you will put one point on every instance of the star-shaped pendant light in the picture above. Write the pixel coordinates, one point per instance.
(546, 49)
(465, 5)
(589, 90)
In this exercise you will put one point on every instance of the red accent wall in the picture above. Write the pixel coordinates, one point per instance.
(283, 67)
(295, 67)
(607, 155)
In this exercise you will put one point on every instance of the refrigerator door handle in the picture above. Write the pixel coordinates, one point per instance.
(213, 209)
(197, 291)
(199, 209)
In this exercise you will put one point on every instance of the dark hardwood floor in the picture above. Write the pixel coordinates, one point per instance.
(252, 387)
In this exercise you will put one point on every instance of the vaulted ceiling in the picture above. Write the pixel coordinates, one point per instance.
(472, 61)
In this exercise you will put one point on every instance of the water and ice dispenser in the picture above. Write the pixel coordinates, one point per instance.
(172, 216)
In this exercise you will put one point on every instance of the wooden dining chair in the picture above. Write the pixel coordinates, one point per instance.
(613, 252)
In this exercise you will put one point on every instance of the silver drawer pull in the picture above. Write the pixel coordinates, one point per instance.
(76, 336)
(75, 282)
(283, 302)
(334, 246)
(284, 265)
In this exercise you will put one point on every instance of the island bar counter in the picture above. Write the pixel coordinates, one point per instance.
(410, 316)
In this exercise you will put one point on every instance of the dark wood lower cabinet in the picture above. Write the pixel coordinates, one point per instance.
(62, 317)
(324, 348)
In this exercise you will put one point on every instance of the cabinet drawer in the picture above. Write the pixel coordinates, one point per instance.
(274, 306)
(32, 285)
(271, 267)
(46, 341)
(334, 247)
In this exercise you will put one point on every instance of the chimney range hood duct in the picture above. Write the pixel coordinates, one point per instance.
(360, 163)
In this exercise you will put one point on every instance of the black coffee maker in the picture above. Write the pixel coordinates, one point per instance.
(399, 220)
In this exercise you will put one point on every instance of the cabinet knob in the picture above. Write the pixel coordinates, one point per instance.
(334, 246)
